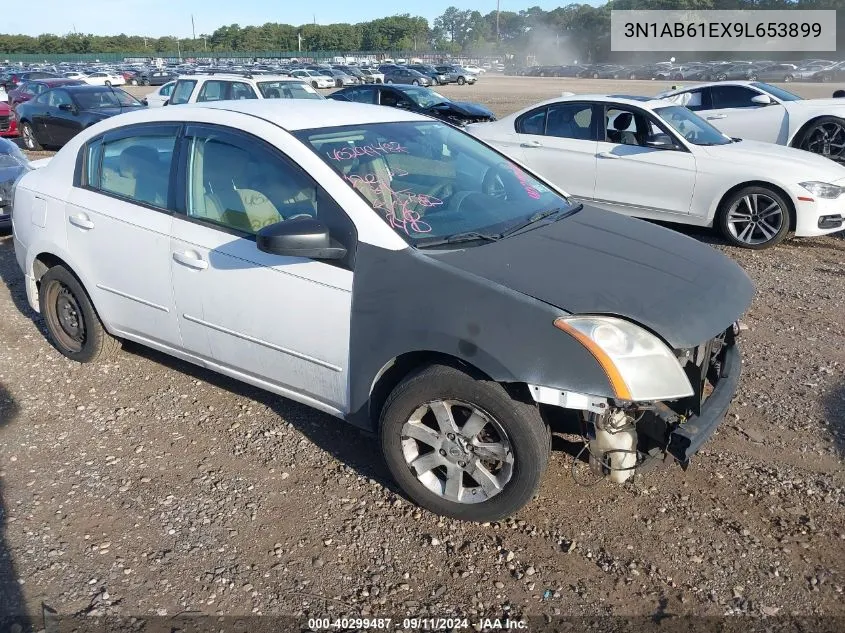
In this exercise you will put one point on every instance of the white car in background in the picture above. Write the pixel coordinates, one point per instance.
(160, 96)
(75, 75)
(104, 79)
(761, 112)
(475, 70)
(314, 78)
(654, 159)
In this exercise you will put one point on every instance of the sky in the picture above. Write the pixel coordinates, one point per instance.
(158, 18)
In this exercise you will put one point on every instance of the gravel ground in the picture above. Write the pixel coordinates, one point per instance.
(151, 487)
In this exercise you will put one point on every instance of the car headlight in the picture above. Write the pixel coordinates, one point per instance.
(638, 365)
(823, 189)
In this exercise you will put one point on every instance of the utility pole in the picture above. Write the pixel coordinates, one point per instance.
(193, 27)
(498, 2)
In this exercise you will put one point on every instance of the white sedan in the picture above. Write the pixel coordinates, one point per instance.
(654, 159)
(761, 112)
(104, 79)
(314, 78)
(360, 260)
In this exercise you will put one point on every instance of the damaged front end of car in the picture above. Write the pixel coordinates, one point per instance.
(625, 434)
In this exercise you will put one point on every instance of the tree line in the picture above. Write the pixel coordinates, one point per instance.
(574, 29)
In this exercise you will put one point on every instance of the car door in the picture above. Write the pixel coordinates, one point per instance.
(37, 114)
(559, 143)
(118, 229)
(281, 322)
(637, 179)
(734, 113)
(61, 124)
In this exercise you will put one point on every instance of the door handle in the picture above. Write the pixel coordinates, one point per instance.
(81, 221)
(608, 155)
(531, 144)
(191, 259)
(713, 117)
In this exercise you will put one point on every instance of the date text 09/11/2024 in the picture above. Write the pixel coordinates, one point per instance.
(416, 624)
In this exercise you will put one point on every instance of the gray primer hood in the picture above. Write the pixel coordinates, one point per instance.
(597, 262)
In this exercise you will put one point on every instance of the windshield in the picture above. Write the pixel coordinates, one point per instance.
(287, 90)
(691, 126)
(780, 93)
(424, 97)
(93, 100)
(430, 181)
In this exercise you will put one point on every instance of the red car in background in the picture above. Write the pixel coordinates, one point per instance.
(8, 122)
(32, 89)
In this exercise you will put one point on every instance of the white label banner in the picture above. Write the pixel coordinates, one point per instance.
(751, 30)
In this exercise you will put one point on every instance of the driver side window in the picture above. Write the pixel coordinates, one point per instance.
(633, 127)
(733, 97)
(58, 97)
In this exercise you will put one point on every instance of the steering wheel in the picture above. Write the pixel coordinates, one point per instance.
(493, 185)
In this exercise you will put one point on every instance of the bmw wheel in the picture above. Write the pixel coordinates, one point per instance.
(825, 136)
(461, 446)
(72, 323)
(755, 217)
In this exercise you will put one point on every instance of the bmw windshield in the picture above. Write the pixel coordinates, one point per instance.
(433, 183)
(691, 126)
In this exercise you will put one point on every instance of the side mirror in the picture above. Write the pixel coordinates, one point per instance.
(67, 107)
(167, 102)
(762, 100)
(145, 102)
(660, 141)
(299, 237)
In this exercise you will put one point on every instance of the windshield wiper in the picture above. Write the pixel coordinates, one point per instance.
(457, 238)
(540, 215)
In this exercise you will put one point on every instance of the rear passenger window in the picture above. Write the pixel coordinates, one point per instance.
(570, 120)
(182, 91)
(136, 167)
(212, 91)
(532, 123)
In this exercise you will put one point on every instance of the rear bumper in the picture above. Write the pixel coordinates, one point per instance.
(690, 436)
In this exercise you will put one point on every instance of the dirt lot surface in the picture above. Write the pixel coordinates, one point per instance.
(150, 487)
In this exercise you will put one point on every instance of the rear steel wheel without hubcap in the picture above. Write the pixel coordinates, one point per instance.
(827, 139)
(65, 317)
(457, 451)
(755, 219)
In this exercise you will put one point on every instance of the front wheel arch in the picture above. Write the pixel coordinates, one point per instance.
(799, 135)
(398, 369)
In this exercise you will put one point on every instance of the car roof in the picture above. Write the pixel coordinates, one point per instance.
(241, 76)
(737, 82)
(632, 100)
(82, 87)
(65, 81)
(290, 114)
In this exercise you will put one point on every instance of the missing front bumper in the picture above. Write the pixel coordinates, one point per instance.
(693, 432)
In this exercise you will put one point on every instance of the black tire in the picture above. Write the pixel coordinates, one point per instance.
(752, 77)
(721, 77)
(415, 83)
(729, 201)
(133, 82)
(461, 80)
(527, 433)
(808, 139)
(314, 85)
(63, 301)
(108, 83)
(30, 141)
(788, 78)
(389, 81)
(595, 75)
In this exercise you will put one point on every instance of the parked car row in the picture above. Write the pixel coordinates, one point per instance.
(807, 70)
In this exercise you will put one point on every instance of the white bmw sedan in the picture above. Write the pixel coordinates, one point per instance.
(654, 159)
(392, 271)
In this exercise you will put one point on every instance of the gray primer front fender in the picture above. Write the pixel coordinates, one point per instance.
(405, 301)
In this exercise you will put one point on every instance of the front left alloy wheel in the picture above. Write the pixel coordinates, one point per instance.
(463, 447)
(825, 136)
(755, 217)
